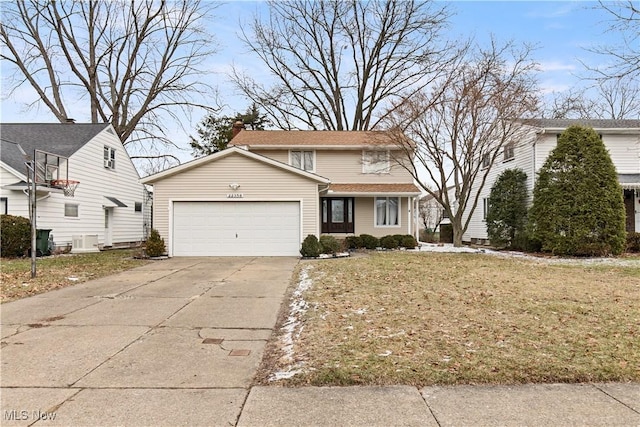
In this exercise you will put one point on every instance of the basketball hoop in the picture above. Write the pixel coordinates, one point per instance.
(68, 186)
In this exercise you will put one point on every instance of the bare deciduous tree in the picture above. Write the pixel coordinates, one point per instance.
(132, 64)
(614, 98)
(335, 63)
(624, 56)
(458, 127)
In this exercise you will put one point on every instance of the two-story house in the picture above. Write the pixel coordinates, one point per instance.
(270, 189)
(621, 138)
(110, 206)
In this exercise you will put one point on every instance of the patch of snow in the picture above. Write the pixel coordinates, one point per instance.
(386, 353)
(360, 311)
(292, 326)
(448, 247)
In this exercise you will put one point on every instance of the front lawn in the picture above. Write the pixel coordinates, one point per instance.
(59, 271)
(426, 318)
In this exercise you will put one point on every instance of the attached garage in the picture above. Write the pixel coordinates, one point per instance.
(236, 228)
(235, 203)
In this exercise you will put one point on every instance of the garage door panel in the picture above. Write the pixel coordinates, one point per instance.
(236, 228)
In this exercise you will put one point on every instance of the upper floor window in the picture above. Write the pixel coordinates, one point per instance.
(137, 207)
(509, 151)
(109, 157)
(376, 162)
(486, 160)
(302, 160)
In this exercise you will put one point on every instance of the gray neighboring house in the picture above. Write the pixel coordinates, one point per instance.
(110, 207)
(621, 138)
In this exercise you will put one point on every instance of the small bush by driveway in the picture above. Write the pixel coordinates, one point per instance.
(434, 318)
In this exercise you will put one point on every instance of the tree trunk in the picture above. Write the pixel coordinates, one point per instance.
(456, 224)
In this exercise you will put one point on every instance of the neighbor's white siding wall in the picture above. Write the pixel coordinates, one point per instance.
(87, 166)
(258, 181)
(17, 201)
(523, 159)
(532, 152)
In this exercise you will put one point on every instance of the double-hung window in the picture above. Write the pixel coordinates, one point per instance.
(109, 157)
(376, 161)
(387, 212)
(302, 160)
(509, 151)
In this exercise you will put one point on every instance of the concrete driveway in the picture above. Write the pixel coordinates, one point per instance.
(176, 342)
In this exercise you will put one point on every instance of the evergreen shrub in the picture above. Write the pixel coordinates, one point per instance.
(15, 236)
(578, 206)
(310, 247)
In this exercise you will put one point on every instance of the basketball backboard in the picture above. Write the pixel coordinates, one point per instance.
(50, 167)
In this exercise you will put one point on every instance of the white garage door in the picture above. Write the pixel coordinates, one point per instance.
(236, 228)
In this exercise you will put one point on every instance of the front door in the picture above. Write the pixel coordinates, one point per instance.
(337, 215)
(630, 210)
(108, 218)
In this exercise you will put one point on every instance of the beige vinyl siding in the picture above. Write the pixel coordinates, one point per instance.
(345, 166)
(365, 218)
(258, 182)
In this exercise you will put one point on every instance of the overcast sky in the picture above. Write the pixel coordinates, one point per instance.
(561, 30)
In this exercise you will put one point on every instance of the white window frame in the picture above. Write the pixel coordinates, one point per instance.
(509, 151)
(486, 160)
(109, 157)
(485, 208)
(4, 205)
(373, 164)
(302, 159)
(77, 210)
(398, 215)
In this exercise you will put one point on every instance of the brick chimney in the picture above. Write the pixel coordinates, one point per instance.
(237, 127)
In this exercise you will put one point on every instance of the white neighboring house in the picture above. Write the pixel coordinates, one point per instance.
(110, 208)
(621, 138)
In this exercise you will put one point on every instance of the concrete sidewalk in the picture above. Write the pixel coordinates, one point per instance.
(528, 405)
(178, 342)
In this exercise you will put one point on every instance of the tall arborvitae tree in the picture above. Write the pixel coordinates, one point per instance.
(578, 207)
(507, 213)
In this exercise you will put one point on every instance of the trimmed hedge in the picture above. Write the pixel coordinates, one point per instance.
(390, 242)
(633, 242)
(15, 236)
(329, 244)
(310, 247)
(369, 241)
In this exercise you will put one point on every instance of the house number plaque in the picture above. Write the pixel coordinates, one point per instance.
(235, 196)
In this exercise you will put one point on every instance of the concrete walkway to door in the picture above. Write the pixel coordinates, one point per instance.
(176, 342)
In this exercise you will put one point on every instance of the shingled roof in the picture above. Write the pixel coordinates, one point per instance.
(303, 138)
(594, 123)
(62, 139)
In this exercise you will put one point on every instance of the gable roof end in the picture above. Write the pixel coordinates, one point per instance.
(227, 152)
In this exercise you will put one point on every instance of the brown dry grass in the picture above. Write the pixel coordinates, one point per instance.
(54, 272)
(426, 318)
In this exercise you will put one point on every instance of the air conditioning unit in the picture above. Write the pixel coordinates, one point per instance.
(84, 243)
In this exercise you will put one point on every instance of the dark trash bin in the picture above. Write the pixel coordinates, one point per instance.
(42, 242)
